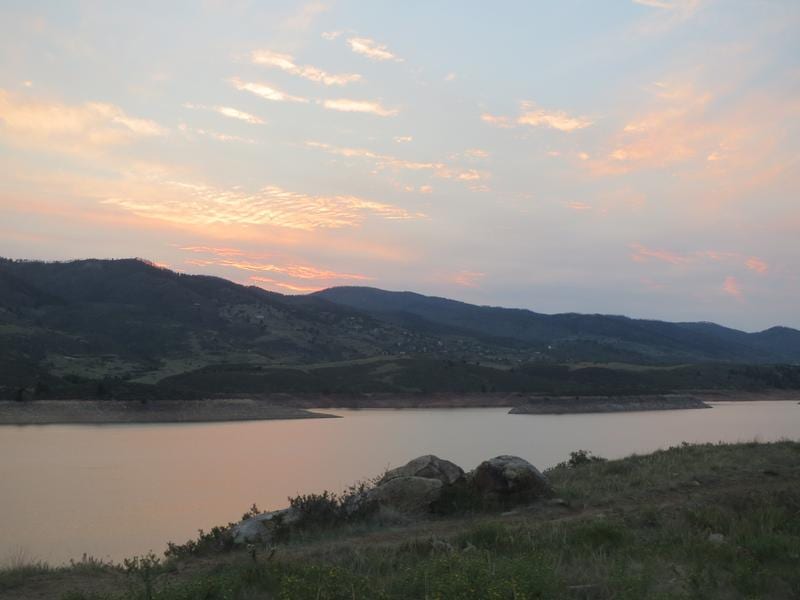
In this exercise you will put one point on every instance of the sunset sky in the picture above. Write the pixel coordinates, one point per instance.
(636, 157)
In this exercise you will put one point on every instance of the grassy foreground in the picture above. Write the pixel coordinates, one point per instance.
(705, 521)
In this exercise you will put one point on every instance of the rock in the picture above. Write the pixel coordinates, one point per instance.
(428, 467)
(716, 538)
(249, 531)
(260, 528)
(407, 494)
(509, 479)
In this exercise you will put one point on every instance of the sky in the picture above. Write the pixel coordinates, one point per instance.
(637, 157)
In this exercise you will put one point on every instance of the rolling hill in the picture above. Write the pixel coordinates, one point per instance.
(129, 328)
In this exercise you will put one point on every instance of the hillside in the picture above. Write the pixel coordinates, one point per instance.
(129, 329)
(577, 336)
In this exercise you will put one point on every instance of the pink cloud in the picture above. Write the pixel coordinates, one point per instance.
(756, 264)
(642, 254)
(731, 287)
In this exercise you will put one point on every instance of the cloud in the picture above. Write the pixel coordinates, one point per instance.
(304, 17)
(371, 49)
(476, 153)
(385, 161)
(732, 287)
(285, 62)
(191, 203)
(234, 113)
(450, 77)
(294, 271)
(534, 116)
(220, 137)
(235, 258)
(227, 111)
(359, 106)
(331, 35)
(497, 121)
(670, 13)
(292, 287)
(579, 206)
(538, 117)
(264, 91)
(674, 130)
(756, 264)
(403, 139)
(642, 254)
(467, 278)
(70, 127)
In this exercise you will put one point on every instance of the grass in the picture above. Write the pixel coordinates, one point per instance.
(707, 521)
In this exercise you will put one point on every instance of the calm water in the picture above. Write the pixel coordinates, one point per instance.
(117, 490)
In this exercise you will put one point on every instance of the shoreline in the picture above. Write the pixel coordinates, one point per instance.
(607, 404)
(109, 412)
(305, 406)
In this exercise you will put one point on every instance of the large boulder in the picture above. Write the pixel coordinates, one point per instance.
(509, 479)
(428, 467)
(407, 494)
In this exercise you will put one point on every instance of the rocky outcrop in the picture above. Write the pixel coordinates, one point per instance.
(427, 484)
(509, 479)
(261, 528)
(559, 405)
(427, 467)
(407, 494)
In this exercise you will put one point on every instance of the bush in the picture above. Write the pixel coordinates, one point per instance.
(578, 458)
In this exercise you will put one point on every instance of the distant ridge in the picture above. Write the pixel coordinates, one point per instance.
(647, 339)
(132, 327)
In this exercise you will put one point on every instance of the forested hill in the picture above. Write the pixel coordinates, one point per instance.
(104, 324)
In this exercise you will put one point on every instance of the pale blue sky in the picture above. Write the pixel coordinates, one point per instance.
(628, 157)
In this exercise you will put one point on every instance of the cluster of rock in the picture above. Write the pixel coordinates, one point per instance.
(421, 486)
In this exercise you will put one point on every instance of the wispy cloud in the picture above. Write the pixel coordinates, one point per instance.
(371, 49)
(199, 204)
(360, 106)
(386, 161)
(214, 135)
(292, 287)
(241, 260)
(70, 127)
(227, 111)
(732, 287)
(304, 17)
(331, 35)
(285, 62)
(538, 117)
(535, 116)
(674, 130)
(642, 253)
(497, 120)
(669, 14)
(756, 264)
(265, 91)
(469, 279)
(476, 153)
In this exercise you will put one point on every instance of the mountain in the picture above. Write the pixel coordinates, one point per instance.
(86, 327)
(577, 336)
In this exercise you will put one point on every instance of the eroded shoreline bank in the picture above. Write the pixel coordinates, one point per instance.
(308, 406)
(89, 412)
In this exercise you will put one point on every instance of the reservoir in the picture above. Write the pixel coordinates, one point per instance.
(113, 491)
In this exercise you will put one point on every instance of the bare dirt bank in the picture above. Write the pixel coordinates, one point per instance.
(51, 412)
(605, 404)
(302, 406)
